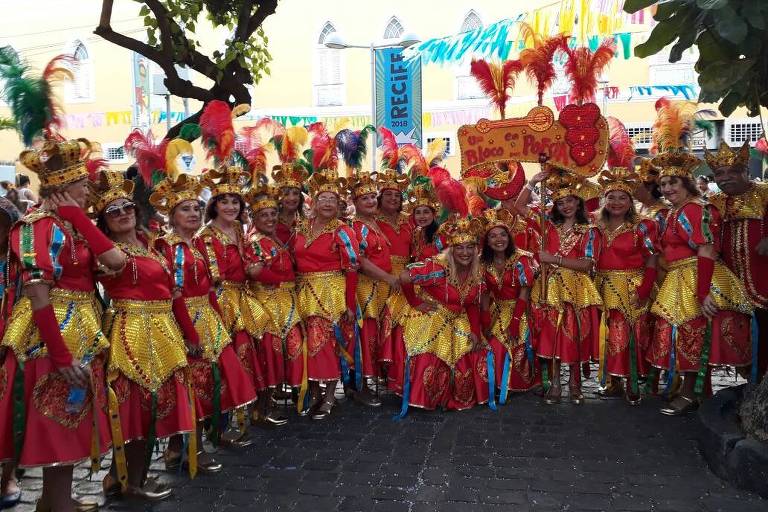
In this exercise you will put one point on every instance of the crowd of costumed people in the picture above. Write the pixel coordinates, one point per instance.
(177, 305)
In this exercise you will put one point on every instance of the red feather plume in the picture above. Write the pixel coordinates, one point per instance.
(150, 157)
(94, 165)
(257, 160)
(450, 192)
(414, 159)
(538, 59)
(476, 205)
(621, 150)
(496, 80)
(583, 67)
(217, 130)
(261, 133)
(390, 152)
(324, 154)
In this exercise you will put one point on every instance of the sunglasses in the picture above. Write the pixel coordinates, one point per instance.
(117, 210)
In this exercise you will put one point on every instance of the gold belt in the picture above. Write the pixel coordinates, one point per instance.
(309, 276)
(141, 306)
(261, 287)
(199, 301)
(232, 284)
(72, 295)
(681, 263)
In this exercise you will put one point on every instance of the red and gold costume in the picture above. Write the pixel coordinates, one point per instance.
(621, 271)
(515, 367)
(444, 367)
(680, 341)
(282, 349)
(36, 428)
(744, 225)
(567, 319)
(326, 266)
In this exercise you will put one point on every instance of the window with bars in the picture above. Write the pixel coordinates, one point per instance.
(448, 144)
(738, 133)
(114, 153)
(640, 135)
(467, 87)
(329, 81)
(80, 88)
(394, 29)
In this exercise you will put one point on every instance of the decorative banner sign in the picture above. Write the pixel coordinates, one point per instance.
(141, 91)
(577, 141)
(398, 95)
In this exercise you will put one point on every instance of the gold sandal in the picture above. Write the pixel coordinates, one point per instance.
(680, 406)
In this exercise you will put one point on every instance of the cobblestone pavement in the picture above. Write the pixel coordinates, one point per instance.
(526, 457)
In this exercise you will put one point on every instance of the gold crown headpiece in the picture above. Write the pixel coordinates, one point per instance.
(727, 157)
(497, 218)
(391, 179)
(675, 163)
(58, 163)
(563, 184)
(169, 192)
(109, 186)
(225, 180)
(619, 178)
(421, 195)
(462, 230)
(362, 183)
(289, 175)
(326, 181)
(262, 196)
(646, 171)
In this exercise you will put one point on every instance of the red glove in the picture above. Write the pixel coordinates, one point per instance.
(646, 285)
(214, 301)
(705, 267)
(350, 290)
(473, 313)
(97, 241)
(181, 313)
(513, 330)
(485, 319)
(410, 295)
(50, 334)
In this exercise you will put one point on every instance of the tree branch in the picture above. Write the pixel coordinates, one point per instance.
(243, 18)
(266, 8)
(163, 24)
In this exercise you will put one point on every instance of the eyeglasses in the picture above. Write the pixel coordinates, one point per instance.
(327, 200)
(117, 210)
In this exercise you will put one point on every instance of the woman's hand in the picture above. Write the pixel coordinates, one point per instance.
(474, 340)
(58, 199)
(348, 316)
(394, 283)
(76, 375)
(538, 177)
(709, 307)
(545, 257)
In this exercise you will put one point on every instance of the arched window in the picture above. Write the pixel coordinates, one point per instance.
(81, 87)
(467, 87)
(329, 81)
(394, 29)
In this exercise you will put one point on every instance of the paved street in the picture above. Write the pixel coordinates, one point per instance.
(528, 456)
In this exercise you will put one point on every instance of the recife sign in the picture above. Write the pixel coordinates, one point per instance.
(398, 95)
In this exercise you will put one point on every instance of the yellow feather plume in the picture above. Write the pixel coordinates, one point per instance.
(674, 122)
(436, 151)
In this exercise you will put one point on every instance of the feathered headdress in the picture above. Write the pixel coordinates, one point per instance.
(289, 144)
(672, 131)
(262, 196)
(169, 192)
(583, 67)
(496, 80)
(389, 176)
(109, 186)
(353, 147)
(728, 157)
(58, 163)
(226, 179)
(497, 218)
(257, 144)
(450, 192)
(538, 59)
(461, 230)
(217, 129)
(150, 157)
(34, 107)
(621, 149)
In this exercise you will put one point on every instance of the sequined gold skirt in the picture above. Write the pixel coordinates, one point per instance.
(566, 286)
(213, 334)
(241, 311)
(442, 333)
(321, 294)
(79, 317)
(501, 316)
(280, 304)
(372, 296)
(617, 287)
(146, 344)
(397, 303)
(677, 303)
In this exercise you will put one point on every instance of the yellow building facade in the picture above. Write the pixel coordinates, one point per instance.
(309, 81)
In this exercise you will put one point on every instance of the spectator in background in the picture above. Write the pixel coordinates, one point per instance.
(702, 183)
(27, 198)
(12, 195)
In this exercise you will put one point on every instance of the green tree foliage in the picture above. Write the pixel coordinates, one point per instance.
(171, 41)
(732, 39)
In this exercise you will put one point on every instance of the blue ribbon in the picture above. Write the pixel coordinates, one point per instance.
(491, 379)
(344, 365)
(755, 349)
(505, 379)
(358, 352)
(672, 362)
(529, 348)
(406, 391)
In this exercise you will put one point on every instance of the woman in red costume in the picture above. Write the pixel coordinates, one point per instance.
(327, 259)
(446, 365)
(218, 379)
(149, 397)
(222, 244)
(269, 265)
(702, 310)
(567, 318)
(10, 494)
(508, 274)
(54, 362)
(289, 180)
(626, 272)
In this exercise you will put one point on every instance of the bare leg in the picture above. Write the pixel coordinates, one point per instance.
(135, 452)
(57, 489)
(8, 483)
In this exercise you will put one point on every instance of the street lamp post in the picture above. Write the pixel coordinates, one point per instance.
(336, 42)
